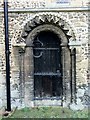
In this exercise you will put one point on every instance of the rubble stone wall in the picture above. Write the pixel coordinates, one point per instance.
(78, 21)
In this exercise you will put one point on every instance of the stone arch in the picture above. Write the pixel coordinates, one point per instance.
(45, 22)
(46, 27)
(42, 19)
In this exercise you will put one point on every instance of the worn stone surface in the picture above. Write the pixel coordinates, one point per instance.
(45, 3)
(76, 107)
(22, 88)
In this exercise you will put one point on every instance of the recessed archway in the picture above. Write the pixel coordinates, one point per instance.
(56, 29)
(61, 75)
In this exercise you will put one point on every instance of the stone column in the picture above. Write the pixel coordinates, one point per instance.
(73, 75)
(66, 74)
(29, 80)
(21, 74)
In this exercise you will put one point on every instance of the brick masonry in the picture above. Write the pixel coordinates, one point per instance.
(78, 22)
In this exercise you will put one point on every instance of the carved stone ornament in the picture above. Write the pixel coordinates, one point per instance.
(50, 19)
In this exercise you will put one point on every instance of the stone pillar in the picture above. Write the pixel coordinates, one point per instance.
(21, 74)
(29, 80)
(66, 74)
(73, 75)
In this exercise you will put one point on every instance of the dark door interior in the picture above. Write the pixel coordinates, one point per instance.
(47, 65)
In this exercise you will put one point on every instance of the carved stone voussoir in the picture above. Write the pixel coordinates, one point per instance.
(42, 19)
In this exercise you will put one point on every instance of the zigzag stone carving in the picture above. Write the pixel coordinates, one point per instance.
(47, 19)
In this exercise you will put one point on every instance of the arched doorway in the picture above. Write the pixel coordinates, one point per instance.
(47, 65)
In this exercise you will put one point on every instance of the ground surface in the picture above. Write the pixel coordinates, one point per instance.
(49, 112)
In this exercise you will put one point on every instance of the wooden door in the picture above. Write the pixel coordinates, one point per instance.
(47, 65)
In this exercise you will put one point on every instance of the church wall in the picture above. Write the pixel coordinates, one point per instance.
(78, 21)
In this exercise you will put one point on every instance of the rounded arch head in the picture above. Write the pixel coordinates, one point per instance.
(47, 22)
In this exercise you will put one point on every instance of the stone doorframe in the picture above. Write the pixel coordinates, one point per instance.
(47, 22)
